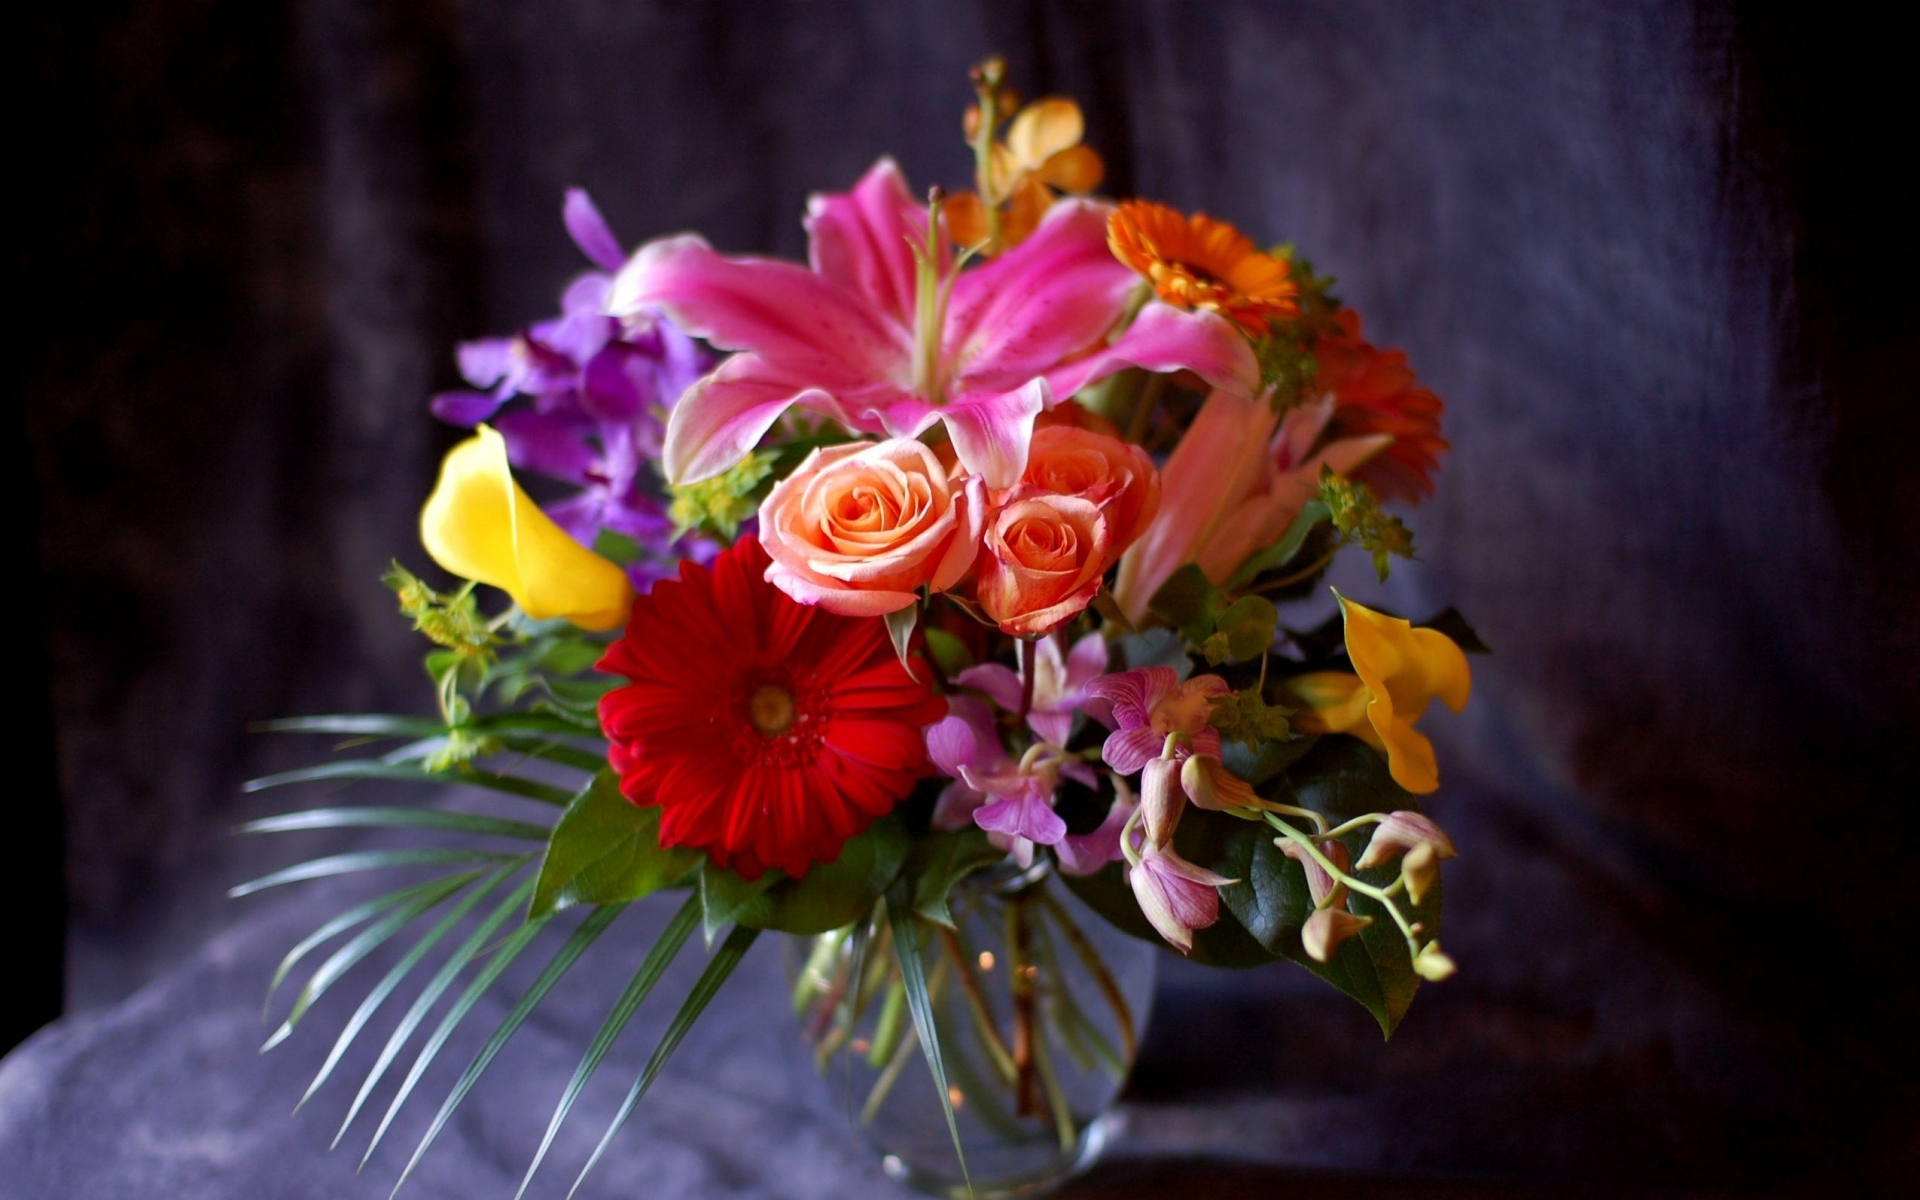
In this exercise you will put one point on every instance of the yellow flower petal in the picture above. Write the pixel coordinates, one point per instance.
(966, 219)
(1444, 666)
(1075, 169)
(1403, 670)
(479, 525)
(1336, 701)
(1043, 129)
(1410, 757)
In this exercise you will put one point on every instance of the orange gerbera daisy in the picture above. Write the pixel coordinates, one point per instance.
(1375, 391)
(1198, 262)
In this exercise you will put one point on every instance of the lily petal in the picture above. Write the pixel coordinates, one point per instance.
(590, 232)
(809, 326)
(1051, 297)
(1164, 339)
(863, 240)
(723, 416)
(991, 431)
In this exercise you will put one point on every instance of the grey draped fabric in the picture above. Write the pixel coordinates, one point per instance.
(1649, 253)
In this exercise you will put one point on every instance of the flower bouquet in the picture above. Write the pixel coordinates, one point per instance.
(923, 601)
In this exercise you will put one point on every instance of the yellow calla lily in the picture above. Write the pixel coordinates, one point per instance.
(1398, 671)
(479, 525)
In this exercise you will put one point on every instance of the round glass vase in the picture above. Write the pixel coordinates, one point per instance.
(1038, 1005)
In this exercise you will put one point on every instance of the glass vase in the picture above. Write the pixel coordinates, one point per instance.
(1038, 1006)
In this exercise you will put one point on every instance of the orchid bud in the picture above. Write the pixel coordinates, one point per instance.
(1160, 801)
(1432, 965)
(1323, 887)
(1327, 928)
(1211, 786)
(1420, 867)
(1401, 832)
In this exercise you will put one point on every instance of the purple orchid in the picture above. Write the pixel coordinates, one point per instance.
(1012, 800)
(881, 335)
(600, 389)
(1059, 684)
(1146, 704)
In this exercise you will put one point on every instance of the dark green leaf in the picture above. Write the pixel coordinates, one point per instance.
(1248, 624)
(832, 894)
(502, 958)
(913, 975)
(429, 996)
(1155, 648)
(1189, 603)
(1283, 551)
(651, 969)
(563, 959)
(606, 849)
(366, 860)
(1271, 758)
(397, 818)
(725, 896)
(396, 976)
(362, 944)
(936, 863)
(704, 989)
(373, 768)
(948, 652)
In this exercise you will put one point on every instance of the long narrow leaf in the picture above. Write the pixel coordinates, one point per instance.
(362, 944)
(366, 860)
(651, 969)
(563, 959)
(546, 750)
(430, 995)
(373, 768)
(396, 976)
(397, 725)
(913, 973)
(704, 989)
(398, 818)
(365, 910)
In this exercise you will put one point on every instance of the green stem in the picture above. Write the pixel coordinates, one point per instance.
(936, 983)
(1056, 1096)
(886, 1031)
(977, 1005)
(1103, 979)
(1382, 895)
(1307, 572)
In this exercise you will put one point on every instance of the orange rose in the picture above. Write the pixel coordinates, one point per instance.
(1042, 561)
(858, 529)
(1118, 476)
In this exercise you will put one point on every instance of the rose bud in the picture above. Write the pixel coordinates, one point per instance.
(1042, 562)
(1118, 476)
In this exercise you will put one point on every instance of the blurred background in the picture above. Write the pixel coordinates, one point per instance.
(1651, 254)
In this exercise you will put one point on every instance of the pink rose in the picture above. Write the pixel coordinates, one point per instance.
(1042, 561)
(858, 529)
(1116, 475)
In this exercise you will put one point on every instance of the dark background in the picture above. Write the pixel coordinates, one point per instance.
(1653, 255)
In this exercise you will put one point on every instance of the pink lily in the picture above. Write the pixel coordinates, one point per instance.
(884, 338)
(1059, 684)
(1231, 487)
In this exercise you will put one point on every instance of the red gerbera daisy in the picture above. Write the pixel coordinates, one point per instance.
(1375, 392)
(767, 731)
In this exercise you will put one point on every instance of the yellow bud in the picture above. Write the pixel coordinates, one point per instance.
(1326, 929)
(1420, 867)
(479, 525)
(1432, 965)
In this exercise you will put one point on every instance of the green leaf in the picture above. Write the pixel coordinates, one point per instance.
(503, 958)
(1283, 551)
(704, 989)
(936, 863)
(563, 960)
(726, 895)
(396, 976)
(429, 996)
(365, 860)
(362, 944)
(950, 655)
(373, 768)
(671, 939)
(913, 975)
(833, 894)
(1189, 603)
(900, 624)
(606, 849)
(1258, 765)
(1155, 648)
(397, 818)
(1248, 624)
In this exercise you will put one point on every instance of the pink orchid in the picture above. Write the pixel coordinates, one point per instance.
(1176, 896)
(1059, 684)
(1012, 800)
(1086, 853)
(1146, 704)
(883, 338)
(1232, 486)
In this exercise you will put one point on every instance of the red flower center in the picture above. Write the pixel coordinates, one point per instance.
(779, 721)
